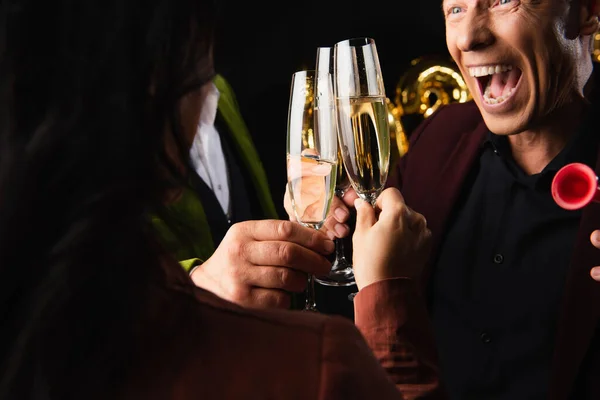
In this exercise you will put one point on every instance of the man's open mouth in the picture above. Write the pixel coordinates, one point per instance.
(496, 82)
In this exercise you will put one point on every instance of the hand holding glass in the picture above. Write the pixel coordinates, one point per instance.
(311, 152)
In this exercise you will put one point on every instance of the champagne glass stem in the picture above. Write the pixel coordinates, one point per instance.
(310, 304)
(339, 249)
(371, 198)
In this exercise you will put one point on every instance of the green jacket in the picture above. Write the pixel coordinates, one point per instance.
(193, 241)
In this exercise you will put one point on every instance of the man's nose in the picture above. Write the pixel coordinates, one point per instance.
(475, 33)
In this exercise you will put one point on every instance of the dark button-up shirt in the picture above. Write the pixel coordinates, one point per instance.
(500, 274)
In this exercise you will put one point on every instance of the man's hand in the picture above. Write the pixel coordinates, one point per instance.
(259, 263)
(595, 239)
(335, 224)
(395, 243)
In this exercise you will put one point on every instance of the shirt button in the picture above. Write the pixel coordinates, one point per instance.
(498, 259)
(485, 338)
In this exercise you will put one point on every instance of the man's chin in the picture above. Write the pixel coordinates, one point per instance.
(505, 125)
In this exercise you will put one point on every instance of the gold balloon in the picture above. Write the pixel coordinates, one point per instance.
(596, 52)
(430, 83)
(397, 133)
(422, 89)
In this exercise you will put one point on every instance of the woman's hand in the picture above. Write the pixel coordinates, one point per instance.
(390, 240)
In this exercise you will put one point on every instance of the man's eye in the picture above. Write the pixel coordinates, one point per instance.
(456, 10)
(504, 2)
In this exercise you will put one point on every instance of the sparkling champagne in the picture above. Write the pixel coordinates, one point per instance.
(366, 138)
(311, 183)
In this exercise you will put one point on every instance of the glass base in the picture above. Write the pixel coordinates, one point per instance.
(341, 274)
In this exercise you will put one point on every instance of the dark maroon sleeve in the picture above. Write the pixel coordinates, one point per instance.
(393, 319)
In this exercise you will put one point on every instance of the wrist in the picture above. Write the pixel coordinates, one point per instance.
(191, 266)
(194, 269)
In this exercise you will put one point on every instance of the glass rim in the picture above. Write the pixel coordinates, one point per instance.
(358, 41)
(312, 72)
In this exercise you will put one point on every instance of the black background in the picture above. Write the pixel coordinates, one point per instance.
(260, 45)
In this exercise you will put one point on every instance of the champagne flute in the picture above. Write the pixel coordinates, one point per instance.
(311, 153)
(362, 112)
(341, 273)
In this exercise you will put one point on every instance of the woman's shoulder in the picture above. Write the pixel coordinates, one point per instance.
(221, 350)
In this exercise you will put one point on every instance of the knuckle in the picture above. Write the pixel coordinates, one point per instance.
(398, 209)
(238, 294)
(394, 193)
(420, 220)
(284, 253)
(328, 229)
(284, 229)
(426, 237)
(236, 274)
(330, 222)
(284, 277)
(236, 230)
(315, 238)
(236, 250)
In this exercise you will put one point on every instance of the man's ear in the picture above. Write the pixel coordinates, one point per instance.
(588, 17)
(583, 18)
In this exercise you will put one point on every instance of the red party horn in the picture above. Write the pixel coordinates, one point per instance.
(574, 186)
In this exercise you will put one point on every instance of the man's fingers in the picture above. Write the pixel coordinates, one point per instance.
(268, 277)
(334, 225)
(278, 230)
(595, 273)
(333, 229)
(339, 211)
(286, 254)
(595, 238)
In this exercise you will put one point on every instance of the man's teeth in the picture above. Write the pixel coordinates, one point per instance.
(489, 70)
(491, 100)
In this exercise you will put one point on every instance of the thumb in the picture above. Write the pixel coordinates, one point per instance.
(365, 215)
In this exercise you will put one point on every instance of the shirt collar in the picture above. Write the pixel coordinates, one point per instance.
(209, 104)
(581, 146)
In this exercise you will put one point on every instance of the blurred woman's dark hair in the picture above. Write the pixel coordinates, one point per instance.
(89, 95)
